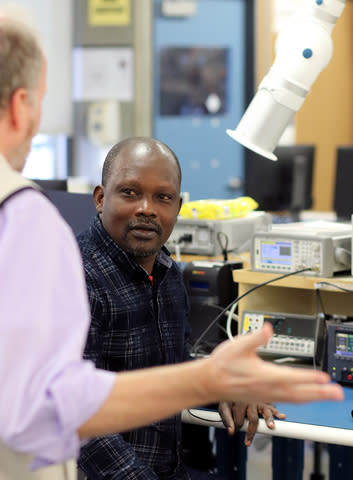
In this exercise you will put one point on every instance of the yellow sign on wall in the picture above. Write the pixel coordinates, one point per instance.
(109, 12)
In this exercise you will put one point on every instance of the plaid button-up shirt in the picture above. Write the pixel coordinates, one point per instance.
(136, 323)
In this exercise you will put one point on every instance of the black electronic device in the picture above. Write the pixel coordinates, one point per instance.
(284, 185)
(343, 196)
(340, 352)
(211, 287)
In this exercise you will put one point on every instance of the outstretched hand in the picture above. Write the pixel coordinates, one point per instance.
(236, 370)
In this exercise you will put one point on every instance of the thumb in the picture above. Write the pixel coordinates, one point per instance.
(253, 340)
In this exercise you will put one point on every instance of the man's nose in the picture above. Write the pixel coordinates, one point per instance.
(146, 206)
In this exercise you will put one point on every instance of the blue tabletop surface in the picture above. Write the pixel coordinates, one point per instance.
(327, 414)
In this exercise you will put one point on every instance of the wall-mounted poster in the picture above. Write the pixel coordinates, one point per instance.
(193, 80)
(103, 73)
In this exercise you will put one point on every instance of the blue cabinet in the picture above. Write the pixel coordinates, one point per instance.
(201, 75)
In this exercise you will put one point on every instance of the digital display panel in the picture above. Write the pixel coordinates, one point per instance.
(202, 285)
(278, 253)
(344, 344)
(298, 327)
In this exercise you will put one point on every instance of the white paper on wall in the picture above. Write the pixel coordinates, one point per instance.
(101, 73)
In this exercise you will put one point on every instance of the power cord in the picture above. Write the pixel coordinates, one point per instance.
(185, 238)
(203, 418)
(223, 242)
(319, 302)
(334, 285)
(230, 318)
(343, 256)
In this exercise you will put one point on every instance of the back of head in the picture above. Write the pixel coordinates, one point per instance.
(21, 54)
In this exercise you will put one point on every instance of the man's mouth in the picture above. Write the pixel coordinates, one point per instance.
(144, 231)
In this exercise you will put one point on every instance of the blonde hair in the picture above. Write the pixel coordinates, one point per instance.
(21, 54)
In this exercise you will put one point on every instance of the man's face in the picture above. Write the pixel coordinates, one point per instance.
(34, 111)
(141, 201)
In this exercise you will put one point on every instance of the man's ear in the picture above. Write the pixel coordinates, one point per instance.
(19, 108)
(98, 197)
(180, 204)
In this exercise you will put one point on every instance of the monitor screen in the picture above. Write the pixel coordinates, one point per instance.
(343, 195)
(51, 184)
(284, 185)
(344, 344)
(276, 252)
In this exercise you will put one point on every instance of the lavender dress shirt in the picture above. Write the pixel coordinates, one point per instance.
(47, 390)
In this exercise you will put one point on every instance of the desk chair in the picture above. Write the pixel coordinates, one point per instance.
(76, 208)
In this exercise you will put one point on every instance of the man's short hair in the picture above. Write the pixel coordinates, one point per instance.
(116, 149)
(21, 56)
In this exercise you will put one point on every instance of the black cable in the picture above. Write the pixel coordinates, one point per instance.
(319, 302)
(317, 313)
(204, 419)
(203, 349)
(330, 284)
(215, 305)
(221, 236)
(222, 328)
(236, 300)
(186, 237)
(224, 247)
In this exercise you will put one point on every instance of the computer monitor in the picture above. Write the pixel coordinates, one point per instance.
(343, 195)
(284, 185)
(78, 209)
(51, 184)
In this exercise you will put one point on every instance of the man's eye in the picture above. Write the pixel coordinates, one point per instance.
(164, 196)
(128, 191)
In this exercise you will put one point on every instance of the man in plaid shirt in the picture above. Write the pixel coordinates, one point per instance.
(138, 303)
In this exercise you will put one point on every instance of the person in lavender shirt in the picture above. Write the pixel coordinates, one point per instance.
(51, 399)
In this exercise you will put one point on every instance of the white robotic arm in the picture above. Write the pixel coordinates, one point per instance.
(303, 50)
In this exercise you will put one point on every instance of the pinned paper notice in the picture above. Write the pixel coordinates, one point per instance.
(103, 74)
(109, 13)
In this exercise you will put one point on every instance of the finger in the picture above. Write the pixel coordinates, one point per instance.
(250, 341)
(307, 393)
(290, 375)
(225, 413)
(275, 412)
(261, 408)
(267, 414)
(239, 411)
(253, 420)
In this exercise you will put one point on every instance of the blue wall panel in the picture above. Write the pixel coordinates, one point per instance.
(208, 156)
